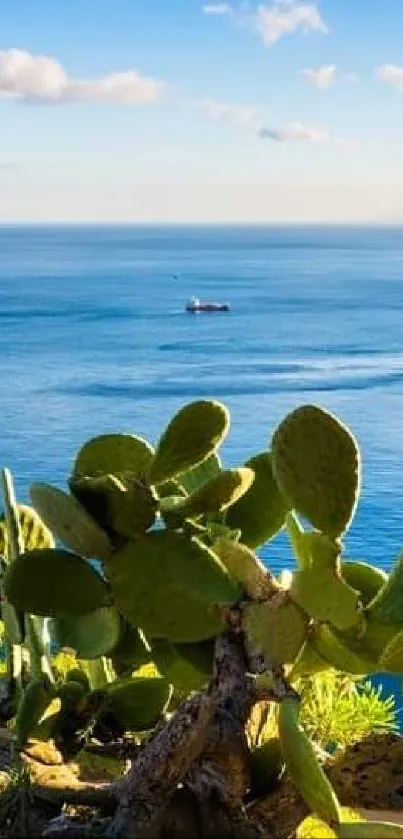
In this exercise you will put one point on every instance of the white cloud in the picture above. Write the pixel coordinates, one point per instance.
(217, 9)
(322, 77)
(41, 78)
(215, 110)
(273, 20)
(284, 17)
(295, 131)
(391, 73)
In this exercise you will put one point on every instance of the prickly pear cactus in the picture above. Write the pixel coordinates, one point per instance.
(387, 606)
(191, 437)
(316, 463)
(218, 494)
(318, 586)
(53, 583)
(34, 532)
(279, 627)
(185, 675)
(90, 636)
(364, 578)
(245, 567)
(113, 454)
(171, 585)
(139, 703)
(132, 650)
(261, 511)
(192, 480)
(70, 522)
(121, 505)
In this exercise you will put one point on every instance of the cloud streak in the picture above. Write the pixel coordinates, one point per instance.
(322, 77)
(390, 73)
(217, 9)
(295, 131)
(40, 78)
(272, 21)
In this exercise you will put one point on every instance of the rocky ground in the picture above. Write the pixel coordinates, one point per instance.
(40, 792)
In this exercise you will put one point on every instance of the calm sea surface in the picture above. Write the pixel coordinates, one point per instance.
(94, 338)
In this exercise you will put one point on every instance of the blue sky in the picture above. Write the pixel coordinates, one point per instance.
(165, 110)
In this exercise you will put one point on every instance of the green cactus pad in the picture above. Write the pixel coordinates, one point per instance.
(199, 655)
(172, 586)
(387, 605)
(260, 513)
(138, 704)
(70, 522)
(192, 480)
(122, 505)
(219, 493)
(132, 650)
(278, 627)
(245, 567)
(391, 659)
(34, 532)
(316, 463)
(113, 454)
(344, 653)
(364, 578)
(318, 587)
(33, 703)
(178, 670)
(90, 636)
(52, 583)
(193, 434)
(308, 661)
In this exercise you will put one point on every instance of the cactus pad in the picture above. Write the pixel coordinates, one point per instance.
(243, 565)
(279, 627)
(113, 454)
(138, 703)
(178, 670)
(391, 659)
(70, 522)
(308, 661)
(387, 606)
(34, 532)
(172, 586)
(364, 578)
(215, 495)
(193, 434)
(350, 655)
(192, 480)
(316, 463)
(90, 636)
(260, 513)
(132, 650)
(122, 505)
(52, 583)
(318, 587)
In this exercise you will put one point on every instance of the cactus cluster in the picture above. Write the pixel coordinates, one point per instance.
(156, 549)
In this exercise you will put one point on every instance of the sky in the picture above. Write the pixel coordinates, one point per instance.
(184, 111)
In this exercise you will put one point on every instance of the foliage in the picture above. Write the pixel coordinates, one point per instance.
(337, 711)
(157, 561)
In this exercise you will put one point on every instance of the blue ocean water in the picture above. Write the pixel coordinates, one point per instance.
(94, 338)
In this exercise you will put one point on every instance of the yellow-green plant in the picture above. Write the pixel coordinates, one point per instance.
(156, 564)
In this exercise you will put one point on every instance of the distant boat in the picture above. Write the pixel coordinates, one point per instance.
(196, 305)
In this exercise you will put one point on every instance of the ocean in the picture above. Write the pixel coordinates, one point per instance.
(94, 338)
